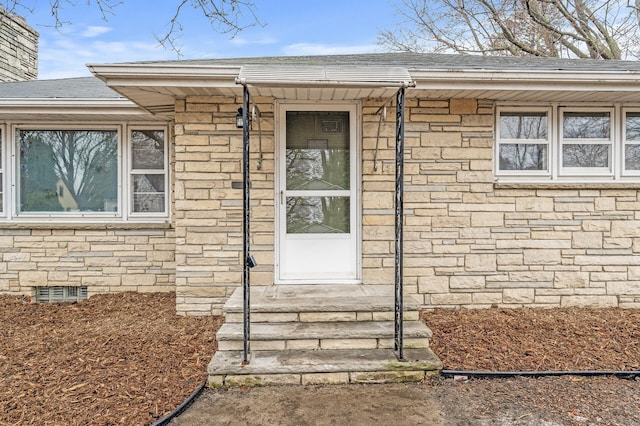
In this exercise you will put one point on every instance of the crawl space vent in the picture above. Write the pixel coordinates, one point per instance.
(60, 294)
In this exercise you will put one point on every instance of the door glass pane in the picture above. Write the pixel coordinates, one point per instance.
(317, 153)
(318, 215)
(517, 156)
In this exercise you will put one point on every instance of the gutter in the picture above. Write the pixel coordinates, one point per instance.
(446, 79)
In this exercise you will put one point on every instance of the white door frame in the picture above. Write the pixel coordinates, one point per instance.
(355, 123)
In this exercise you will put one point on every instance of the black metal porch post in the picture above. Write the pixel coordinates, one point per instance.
(399, 215)
(246, 225)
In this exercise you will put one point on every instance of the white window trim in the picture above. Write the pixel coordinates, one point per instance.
(131, 171)
(616, 171)
(10, 161)
(3, 169)
(587, 171)
(625, 142)
(500, 141)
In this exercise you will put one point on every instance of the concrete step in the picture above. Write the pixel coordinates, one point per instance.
(321, 367)
(331, 316)
(320, 303)
(322, 335)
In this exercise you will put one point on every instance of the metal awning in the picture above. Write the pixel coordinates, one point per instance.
(324, 76)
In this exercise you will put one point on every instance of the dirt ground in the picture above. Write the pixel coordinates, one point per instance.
(127, 359)
(489, 340)
(519, 401)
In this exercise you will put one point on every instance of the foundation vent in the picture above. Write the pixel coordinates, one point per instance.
(60, 294)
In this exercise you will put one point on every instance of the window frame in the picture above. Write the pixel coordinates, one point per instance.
(616, 172)
(3, 170)
(500, 141)
(626, 142)
(124, 214)
(562, 142)
(131, 171)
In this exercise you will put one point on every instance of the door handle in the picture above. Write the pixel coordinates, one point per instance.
(282, 197)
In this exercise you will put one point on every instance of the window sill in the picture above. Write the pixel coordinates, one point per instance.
(567, 185)
(95, 226)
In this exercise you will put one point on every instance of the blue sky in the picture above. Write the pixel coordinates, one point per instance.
(292, 27)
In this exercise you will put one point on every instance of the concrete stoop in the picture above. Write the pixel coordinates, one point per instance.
(321, 334)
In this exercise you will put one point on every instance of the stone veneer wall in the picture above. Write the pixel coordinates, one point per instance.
(106, 260)
(208, 213)
(471, 243)
(18, 49)
(468, 242)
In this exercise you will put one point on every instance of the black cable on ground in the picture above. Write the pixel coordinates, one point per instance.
(504, 374)
(185, 404)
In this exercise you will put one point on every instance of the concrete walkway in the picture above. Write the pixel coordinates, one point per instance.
(354, 405)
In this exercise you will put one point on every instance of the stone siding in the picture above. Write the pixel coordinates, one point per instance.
(472, 243)
(468, 241)
(105, 260)
(208, 213)
(18, 49)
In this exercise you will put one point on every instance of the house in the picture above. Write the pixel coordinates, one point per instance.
(519, 183)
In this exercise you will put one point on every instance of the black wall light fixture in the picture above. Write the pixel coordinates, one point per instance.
(239, 119)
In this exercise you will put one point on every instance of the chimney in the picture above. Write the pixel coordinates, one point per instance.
(18, 48)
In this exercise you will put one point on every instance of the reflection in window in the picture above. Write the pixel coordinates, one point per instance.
(523, 125)
(523, 143)
(632, 157)
(632, 126)
(523, 157)
(68, 170)
(317, 151)
(632, 139)
(148, 170)
(585, 155)
(586, 125)
(318, 215)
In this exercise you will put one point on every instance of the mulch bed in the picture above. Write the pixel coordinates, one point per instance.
(129, 359)
(112, 359)
(536, 339)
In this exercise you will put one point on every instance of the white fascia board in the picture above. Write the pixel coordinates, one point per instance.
(70, 106)
(527, 80)
(324, 76)
(150, 75)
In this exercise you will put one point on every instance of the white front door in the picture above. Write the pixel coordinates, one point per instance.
(317, 195)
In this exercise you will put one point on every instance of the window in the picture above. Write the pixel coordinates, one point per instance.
(632, 142)
(67, 171)
(110, 173)
(148, 171)
(567, 143)
(586, 142)
(2, 179)
(523, 141)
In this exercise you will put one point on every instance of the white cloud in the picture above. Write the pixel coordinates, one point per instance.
(246, 41)
(94, 31)
(66, 57)
(324, 49)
